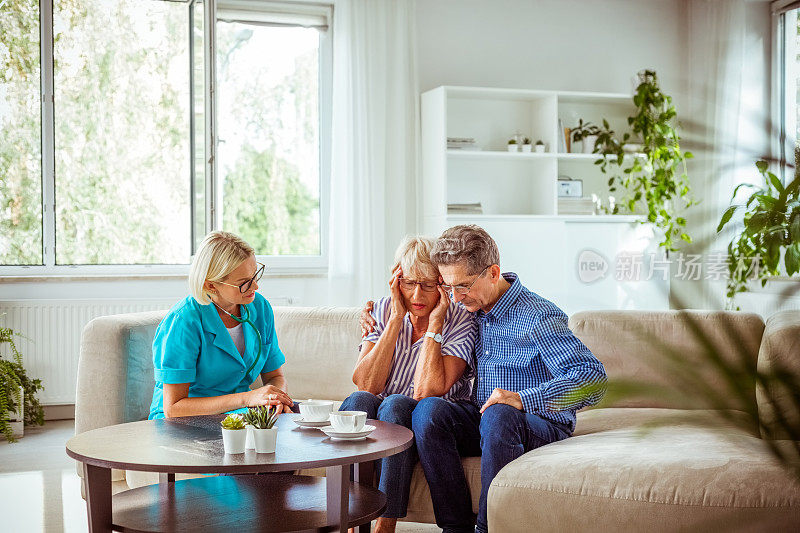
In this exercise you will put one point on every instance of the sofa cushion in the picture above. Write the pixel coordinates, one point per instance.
(664, 349)
(680, 476)
(321, 349)
(780, 351)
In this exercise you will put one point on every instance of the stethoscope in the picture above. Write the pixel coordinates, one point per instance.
(245, 319)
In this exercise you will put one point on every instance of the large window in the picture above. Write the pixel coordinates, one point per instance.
(268, 109)
(131, 161)
(20, 135)
(788, 80)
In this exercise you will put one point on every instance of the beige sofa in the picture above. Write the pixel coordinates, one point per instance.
(686, 474)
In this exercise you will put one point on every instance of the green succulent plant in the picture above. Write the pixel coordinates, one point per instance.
(263, 417)
(233, 421)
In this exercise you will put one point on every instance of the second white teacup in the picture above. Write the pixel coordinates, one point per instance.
(348, 421)
(315, 410)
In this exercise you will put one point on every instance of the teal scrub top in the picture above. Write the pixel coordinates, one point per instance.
(193, 346)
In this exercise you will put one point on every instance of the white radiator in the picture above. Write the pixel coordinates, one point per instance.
(53, 332)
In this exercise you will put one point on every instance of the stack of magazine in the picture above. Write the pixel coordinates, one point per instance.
(575, 206)
(465, 209)
(462, 143)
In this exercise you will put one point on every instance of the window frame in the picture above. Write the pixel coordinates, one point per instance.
(287, 265)
(782, 144)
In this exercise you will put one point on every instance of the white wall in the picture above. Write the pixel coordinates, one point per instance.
(579, 45)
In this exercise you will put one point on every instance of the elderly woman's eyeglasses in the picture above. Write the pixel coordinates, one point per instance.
(410, 285)
(463, 289)
(244, 287)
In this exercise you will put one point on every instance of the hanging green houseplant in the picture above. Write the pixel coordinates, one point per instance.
(655, 181)
(770, 227)
(12, 377)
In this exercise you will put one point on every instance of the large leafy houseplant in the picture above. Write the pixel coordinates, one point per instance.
(655, 180)
(12, 377)
(770, 227)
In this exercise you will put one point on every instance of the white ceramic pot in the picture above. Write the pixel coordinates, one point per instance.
(588, 143)
(265, 439)
(233, 440)
(249, 443)
(526, 148)
(512, 148)
(539, 148)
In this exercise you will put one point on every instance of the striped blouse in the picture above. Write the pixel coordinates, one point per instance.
(458, 340)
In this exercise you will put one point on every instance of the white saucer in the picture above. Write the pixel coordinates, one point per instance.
(309, 424)
(340, 435)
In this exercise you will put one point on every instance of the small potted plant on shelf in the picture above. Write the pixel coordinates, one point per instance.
(586, 134)
(265, 434)
(233, 433)
(526, 145)
(512, 145)
(539, 147)
(18, 403)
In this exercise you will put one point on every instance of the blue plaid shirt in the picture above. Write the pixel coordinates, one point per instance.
(526, 347)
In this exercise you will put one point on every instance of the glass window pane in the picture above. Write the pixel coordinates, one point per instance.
(20, 140)
(791, 118)
(268, 152)
(198, 122)
(122, 132)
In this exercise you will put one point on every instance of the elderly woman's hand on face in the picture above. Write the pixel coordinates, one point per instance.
(439, 312)
(398, 305)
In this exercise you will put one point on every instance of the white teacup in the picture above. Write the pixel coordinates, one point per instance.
(315, 410)
(348, 421)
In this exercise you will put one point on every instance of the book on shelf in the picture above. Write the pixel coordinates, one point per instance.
(465, 209)
(575, 206)
(462, 143)
(562, 146)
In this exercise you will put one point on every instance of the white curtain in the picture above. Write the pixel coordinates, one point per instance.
(716, 120)
(374, 144)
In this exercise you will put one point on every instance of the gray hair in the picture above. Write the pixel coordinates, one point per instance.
(414, 257)
(469, 245)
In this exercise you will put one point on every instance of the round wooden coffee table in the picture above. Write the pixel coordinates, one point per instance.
(274, 502)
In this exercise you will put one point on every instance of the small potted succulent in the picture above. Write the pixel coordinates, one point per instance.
(262, 419)
(539, 147)
(526, 145)
(512, 145)
(233, 433)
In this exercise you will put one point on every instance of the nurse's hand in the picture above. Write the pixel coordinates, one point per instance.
(268, 395)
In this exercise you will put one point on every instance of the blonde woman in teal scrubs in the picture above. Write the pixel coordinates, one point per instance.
(213, 345)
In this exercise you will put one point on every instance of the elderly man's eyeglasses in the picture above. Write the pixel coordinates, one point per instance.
(244, 287)
(463, 289)
(410, 285)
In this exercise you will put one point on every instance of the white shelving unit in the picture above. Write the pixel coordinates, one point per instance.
(518, 191)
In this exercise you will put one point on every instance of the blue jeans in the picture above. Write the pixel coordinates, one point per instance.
(446, 431)
(394, 472)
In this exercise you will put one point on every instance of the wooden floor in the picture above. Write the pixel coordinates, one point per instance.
(40, 490)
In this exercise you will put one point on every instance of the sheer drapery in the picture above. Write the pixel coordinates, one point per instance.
(374, 139)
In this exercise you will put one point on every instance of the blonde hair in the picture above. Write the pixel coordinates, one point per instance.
(219, 254)
(414, 257)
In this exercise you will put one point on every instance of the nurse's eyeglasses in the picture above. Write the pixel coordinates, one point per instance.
(244, 287)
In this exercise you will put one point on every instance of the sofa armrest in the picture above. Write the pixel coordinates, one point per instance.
(780, 350)
(105, 362)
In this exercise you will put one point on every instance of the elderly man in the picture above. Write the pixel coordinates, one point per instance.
(533, 374)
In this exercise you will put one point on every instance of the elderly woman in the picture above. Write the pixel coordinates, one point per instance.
(421, 346)
(212, 345)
